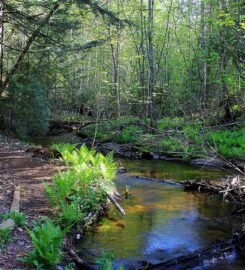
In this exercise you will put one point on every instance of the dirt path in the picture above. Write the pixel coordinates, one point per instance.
(19, 168)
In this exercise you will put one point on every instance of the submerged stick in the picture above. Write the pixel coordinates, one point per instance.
(117, 205)
(169, 182)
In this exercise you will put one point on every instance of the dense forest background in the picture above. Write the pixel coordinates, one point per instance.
(109, 59)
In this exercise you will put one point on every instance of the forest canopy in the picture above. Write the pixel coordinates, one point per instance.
(109, 59)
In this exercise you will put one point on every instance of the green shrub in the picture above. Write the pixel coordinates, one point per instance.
(47, 241)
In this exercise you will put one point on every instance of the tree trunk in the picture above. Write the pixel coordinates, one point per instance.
(150, 59)
(203, 58)
(1, 40)
(142, 52)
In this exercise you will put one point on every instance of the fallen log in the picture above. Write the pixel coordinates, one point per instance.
(117, 205)
(169, 182)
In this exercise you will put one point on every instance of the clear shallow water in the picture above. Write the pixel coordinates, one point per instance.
(161, 221)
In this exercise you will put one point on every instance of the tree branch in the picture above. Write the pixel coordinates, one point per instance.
(27, 47)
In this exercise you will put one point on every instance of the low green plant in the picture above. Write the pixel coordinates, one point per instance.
(4, 235)
(70, 214)
(92, 200)
(229, 143)
(47, 241)
(82, 188)
(105, 261)
(192, 133)
(170, 144)
(62, 186)
(18, 218)
(169, 123)
(128, 135)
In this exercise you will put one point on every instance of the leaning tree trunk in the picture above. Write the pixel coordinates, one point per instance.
(27, 47)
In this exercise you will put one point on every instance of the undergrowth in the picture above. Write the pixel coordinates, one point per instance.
(228, 143)
(4, 235)
(47, 239)
(74, 194)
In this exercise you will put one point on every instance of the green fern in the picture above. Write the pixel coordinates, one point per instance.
(47, 240)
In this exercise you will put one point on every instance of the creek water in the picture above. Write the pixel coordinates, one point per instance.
(161, 221)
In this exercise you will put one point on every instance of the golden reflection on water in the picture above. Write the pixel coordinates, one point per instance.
(158, 218)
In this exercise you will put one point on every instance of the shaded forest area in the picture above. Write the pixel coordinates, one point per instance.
(75, 60)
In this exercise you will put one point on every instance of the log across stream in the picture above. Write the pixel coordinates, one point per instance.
(163, 221)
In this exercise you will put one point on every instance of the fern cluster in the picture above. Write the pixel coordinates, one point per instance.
(229, 143)
(47, 239)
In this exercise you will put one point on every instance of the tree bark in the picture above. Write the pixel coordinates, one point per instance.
(150, 58)
(1, 40)
(203, 58)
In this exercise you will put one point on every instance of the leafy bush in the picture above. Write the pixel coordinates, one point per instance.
(47, 240)
(62, 186)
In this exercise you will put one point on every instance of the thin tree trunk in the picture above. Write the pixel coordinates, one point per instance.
(1, 40)
(150, 58)
(203, 58)
(142, 52)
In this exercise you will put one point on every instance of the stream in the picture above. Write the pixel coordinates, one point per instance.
(161, 221)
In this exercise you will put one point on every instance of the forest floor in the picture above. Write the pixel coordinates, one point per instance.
(18, 168)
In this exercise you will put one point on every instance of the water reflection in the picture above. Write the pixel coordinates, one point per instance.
(161, 220)
(178, 171)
